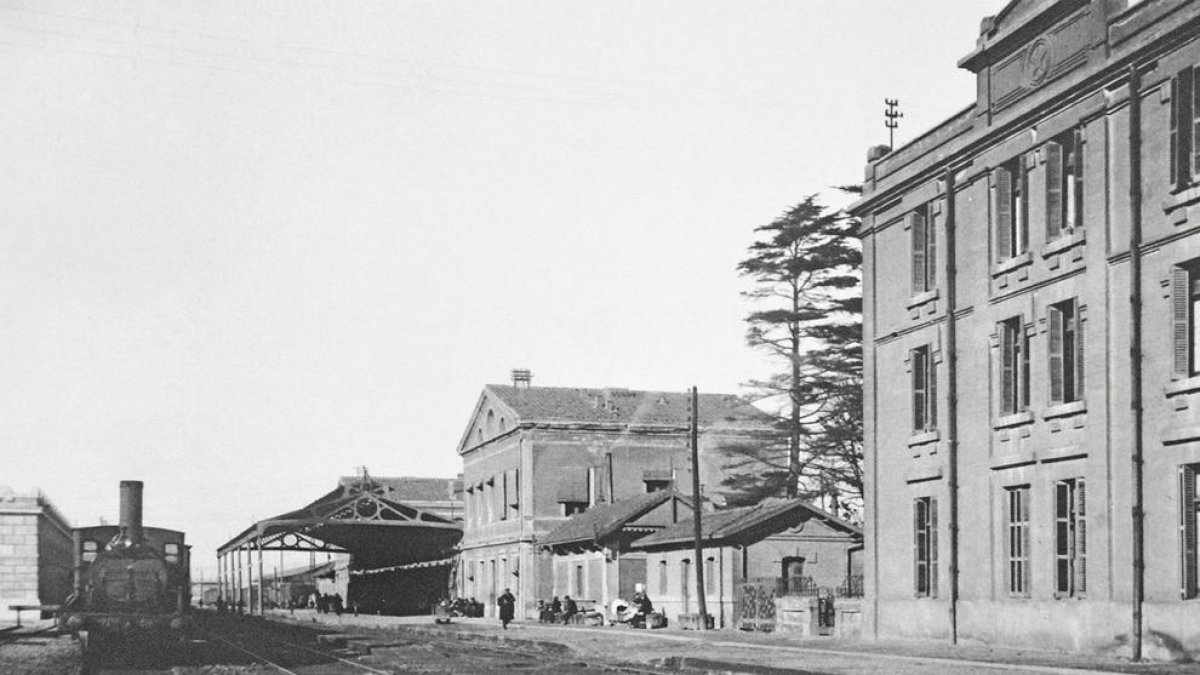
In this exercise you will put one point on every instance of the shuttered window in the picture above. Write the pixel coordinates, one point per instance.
(1010, 213)
(1017, 540)
(1185, 127)
(924, 390)
(925, 555)
(1014, 366)
(1064, 183)
(923, 237)
(1185, 318)
(1070, 538)
(1065, 352)
(1189, 512)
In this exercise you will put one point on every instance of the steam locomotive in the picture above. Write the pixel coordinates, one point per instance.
(129, 579)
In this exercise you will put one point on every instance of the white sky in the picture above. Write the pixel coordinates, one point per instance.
(247, 246)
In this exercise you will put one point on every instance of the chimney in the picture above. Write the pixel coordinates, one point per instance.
(521, 377)
(131, 513)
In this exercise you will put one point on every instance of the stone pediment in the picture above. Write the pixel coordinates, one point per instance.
(1028, 44)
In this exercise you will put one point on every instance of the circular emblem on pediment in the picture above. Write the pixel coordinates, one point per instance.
(1037, 62)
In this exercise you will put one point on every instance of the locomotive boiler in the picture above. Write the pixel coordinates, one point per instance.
(129, 579)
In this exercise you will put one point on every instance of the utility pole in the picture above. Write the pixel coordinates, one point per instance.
(695, 443)
(892, 120)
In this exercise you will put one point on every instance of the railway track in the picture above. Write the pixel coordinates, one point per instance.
(234, 646)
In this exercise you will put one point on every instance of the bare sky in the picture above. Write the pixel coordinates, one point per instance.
(247, 246)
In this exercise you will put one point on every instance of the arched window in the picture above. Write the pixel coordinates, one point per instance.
(478, 435)
(491, 423)
(503, 425)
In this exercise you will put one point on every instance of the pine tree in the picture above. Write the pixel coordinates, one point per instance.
(805, 268)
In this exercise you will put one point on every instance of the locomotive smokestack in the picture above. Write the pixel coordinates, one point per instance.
(131, 512)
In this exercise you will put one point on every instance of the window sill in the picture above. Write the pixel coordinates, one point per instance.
(924, 438)
(1175, 206)
(1064, 242)
(1014, 420)
(1015, 262)
(1065, 410)
(922, 299)
(1186, 386)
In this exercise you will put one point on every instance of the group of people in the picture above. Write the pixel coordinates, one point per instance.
(325, 603)
(558, 611)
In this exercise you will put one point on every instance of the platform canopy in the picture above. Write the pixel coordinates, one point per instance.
(359, 517)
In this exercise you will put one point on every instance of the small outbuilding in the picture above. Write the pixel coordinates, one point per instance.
(593, 561)
(786, 546)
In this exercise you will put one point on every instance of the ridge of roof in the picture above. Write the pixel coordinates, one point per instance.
(615, 405)
(602, 520)
(726, 523)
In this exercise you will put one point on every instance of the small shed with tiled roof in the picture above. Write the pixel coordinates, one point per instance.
(592, 559)
(785, 541)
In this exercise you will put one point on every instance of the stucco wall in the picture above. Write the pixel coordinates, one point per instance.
(1091, 439)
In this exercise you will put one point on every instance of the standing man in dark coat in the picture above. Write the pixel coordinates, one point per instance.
(508, 605)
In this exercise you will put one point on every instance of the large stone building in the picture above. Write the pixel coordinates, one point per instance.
(534, 456)
(1057, 216)
(35, 552)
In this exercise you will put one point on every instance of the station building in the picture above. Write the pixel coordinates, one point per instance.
(535, 456)
(1048, 327)
(36, 555)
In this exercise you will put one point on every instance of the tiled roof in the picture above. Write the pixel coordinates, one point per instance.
(600, 521)
(626, 406)
(729, 523)
(412, 489)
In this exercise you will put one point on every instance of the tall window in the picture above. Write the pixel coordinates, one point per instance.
(710, 576)
(1016, 543)
(1185, 318)
(685, 584)
(1070, 537)
(1064, 183)
(662, 577)
(1189, 514)
(925, 577)
(1185, 127)
(1010, 208)
(1066, 353)
(1014, 366)
(579, 585)
(924, 249)
(924, 390)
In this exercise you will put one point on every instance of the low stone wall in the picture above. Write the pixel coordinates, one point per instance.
(799, 615)
(796, 614)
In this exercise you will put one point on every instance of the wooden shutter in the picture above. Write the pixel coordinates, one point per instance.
(1002, 214)
(1181, 329)
(1080, 536)
(918, 388)
(1194, 136)
(1007, 370)
(1056, 355)
(1026, 526)
(931, 251)
(1054, 190)
(916, 225)
(1187, 530)
(1182, 118)
(931, 402)
(1076, 161)
(918, 517)
(1078, 353)
(933, 548)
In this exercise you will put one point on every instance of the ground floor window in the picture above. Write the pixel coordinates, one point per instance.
(1070, 538)
(1189, 513)
(925, 547)
(1017, 540)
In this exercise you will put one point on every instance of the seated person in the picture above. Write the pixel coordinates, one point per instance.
(570, 609)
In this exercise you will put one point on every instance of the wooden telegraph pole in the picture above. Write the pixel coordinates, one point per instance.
(695, 443)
